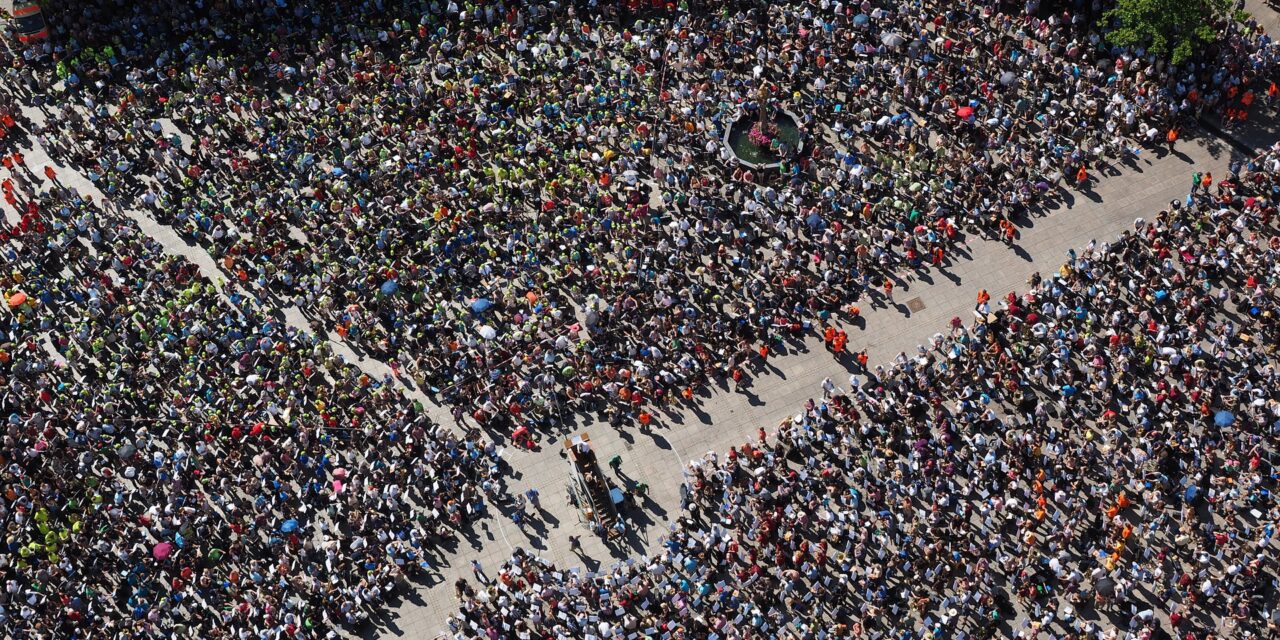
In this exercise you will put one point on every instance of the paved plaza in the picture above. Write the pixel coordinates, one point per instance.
(921, 306)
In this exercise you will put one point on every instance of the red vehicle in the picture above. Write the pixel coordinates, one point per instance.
(28, 22)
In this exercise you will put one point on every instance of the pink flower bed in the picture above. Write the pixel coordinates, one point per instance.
(762, 133)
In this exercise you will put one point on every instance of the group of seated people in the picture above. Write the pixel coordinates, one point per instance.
(528, 209)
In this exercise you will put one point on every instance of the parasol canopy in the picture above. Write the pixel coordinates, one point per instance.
(162, 550)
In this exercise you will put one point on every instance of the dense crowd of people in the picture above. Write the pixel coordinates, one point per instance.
(178, 462)
(1091, 459)
(494, 196)
(526, 209)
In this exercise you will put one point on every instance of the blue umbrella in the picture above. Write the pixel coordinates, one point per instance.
(1191, 493)
(1224, 419)
(861, 19)
(289, 526)
(389, 287)
(481, 305)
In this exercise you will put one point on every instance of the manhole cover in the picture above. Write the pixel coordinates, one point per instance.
(915, 305)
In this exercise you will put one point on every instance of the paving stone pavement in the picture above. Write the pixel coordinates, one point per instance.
(725, 418)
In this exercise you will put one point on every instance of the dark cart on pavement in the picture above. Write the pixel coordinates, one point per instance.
(598, 500)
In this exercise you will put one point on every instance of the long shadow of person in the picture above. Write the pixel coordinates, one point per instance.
(1020, 252)
(591, 564)
(474, 540)
(649, 504)
(955, 279)
(547, 517)
(849, 362)
(702, 416)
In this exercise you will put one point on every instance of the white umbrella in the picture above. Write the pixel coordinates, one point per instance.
(891, 39)
(487, 332)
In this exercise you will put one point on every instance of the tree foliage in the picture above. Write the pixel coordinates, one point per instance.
(1177, 28)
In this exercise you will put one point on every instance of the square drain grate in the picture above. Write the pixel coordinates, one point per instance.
(916, 305)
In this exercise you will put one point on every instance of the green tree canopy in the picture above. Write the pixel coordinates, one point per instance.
(1177, 28)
